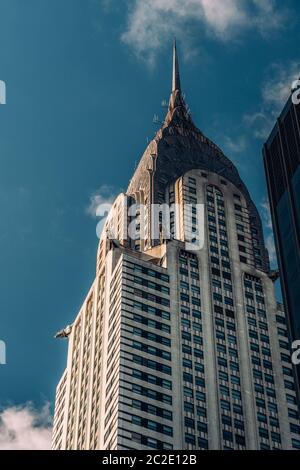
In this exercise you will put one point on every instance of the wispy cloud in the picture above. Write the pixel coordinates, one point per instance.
(237, 145)
(105, 195)
(274, 93)
(150, 23)
(269, 239)
(25, 428)
(270, 245)
(266, 213)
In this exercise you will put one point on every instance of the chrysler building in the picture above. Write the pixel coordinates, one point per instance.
(179, 346)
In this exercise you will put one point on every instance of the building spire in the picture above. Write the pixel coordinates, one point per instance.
(176, 76)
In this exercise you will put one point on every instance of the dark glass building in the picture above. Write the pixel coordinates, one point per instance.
(282, 165)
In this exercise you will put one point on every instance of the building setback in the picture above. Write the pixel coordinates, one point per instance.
(176, 347)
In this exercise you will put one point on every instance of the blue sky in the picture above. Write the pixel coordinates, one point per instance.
(84, 79)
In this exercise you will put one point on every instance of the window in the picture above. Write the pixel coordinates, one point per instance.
(217, 283)
(267, 364)
(221, 348)
(190, 439)
(282, 331)
(225, 405)
(227, 436)
(271, 392)
(200, 395)
(293, 414)
(224, 390)
(226, 420)
(199, 381)
(187, 363)
(223, 376)
(188, 407)
(252, 321)
(260, 403)
(228, 301)
(227, 287)
(192, 180)
(201, 411)
(185, 335)
(264, 338)
(264, 433)
(280, 319)
(187, 377)
(287, 371)
(296, 444)
(188, 392)
(189, 422)
(231, 339)
(272, 407)
(237, 409)
(275, 437)
(184, 297)
(284, 345)
(253, 346)
(240, 440)
(197, 339)
(235, 380)
(253, 334)
(266, 352)
(274, 422)
(186, 349)
(285, 357)
(257, 374)
(234, 366)
(218, 309)
(295, 428)
(202, 427)
(259, 388)
(236, 394)
(262, 418)
(196, 302)
(222, 362)
(184, 285)
(217, 297)
(185, 322)
(238, 424)
(264, 446)
(203, 443)
(196, 314)
(291, 399)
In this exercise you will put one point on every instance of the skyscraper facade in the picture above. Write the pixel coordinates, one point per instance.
(180, 344)
(282, 164)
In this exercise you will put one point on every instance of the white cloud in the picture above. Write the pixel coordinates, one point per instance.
(270, 245)
(266, 214)
(260, 123)
(151, 23)
(105, 195)
(24, 428)
(274, 93)
(269, 239)
(237, 145)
